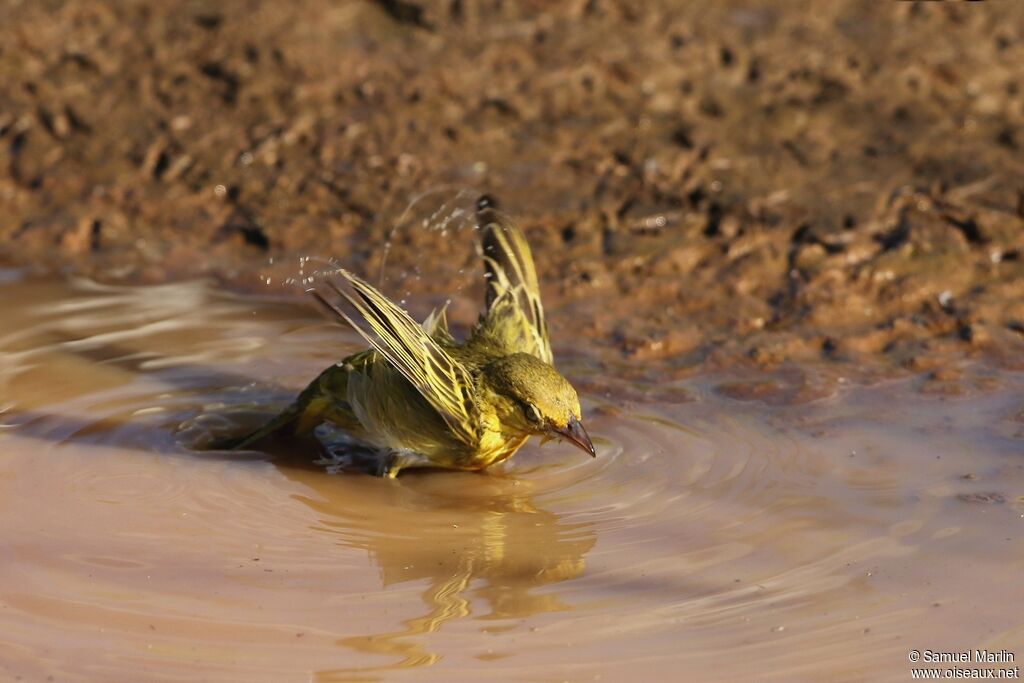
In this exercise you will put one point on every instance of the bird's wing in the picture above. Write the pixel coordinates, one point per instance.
(441, 380)
(514, 312)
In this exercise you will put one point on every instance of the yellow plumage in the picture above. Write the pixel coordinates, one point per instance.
(425, 400)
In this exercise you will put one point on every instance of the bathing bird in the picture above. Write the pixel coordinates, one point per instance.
(422, 399)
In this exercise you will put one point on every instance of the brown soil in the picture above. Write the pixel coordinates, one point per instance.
(704, 184)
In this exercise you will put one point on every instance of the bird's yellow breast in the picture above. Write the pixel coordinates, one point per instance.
(497, 441)
(497, 448)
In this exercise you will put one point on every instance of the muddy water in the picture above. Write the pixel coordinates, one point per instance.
(713, 539)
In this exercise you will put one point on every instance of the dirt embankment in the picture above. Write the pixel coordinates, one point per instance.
(704, 184)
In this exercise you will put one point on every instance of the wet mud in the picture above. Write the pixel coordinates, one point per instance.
(706, 184)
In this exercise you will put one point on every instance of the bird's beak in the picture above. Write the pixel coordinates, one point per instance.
(575, 432)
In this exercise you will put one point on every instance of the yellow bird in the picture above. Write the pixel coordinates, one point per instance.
(424, 400)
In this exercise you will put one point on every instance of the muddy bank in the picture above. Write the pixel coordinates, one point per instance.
(706, 184)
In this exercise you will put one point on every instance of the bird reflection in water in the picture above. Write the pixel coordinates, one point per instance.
(473, 538)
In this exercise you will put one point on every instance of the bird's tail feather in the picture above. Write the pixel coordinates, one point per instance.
(234, 443)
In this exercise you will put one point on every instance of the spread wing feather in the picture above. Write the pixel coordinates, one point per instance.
(514, 309)
(436, 326)
(442, 381)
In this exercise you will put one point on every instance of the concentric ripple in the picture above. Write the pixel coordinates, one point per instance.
(713, 540)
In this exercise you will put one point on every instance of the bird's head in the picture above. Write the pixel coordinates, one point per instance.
(533, 398)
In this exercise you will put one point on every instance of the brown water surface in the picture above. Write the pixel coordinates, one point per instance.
(712, 539)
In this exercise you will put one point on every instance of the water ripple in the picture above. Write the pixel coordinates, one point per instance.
(714, 538)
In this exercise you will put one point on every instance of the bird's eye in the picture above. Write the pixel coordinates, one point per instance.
(532, 414)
